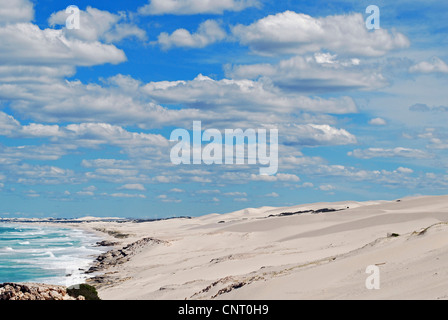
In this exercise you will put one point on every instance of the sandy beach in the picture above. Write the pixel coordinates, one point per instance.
(300, 252)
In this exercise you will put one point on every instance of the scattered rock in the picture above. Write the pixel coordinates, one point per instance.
(120, 256)
(113, 233)
(106, 243)
(392, 235)
(115, 257)
(34, 291)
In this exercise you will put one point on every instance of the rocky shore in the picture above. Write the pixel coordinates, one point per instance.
(116, 257)
(120, 256)
(113, 257)
(34, 291)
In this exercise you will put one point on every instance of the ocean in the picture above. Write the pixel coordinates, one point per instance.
(45, 254)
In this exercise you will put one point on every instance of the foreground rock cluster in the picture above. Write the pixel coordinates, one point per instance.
(14, 291)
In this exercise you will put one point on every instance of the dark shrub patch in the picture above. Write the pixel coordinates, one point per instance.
(85, 290)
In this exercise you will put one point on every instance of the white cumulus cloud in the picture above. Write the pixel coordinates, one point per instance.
(16, 11)
(434, 65)
(389, 153)
(297, 33)
(187, 7)
(133, 186)
(378, 122)
(208, 32)
(98, 25)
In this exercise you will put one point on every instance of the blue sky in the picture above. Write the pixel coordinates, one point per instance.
(86, 115)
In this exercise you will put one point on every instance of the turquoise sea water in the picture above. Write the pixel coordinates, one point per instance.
(45, 254)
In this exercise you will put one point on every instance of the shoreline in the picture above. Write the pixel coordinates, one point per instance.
(96, 242)
(119, 247)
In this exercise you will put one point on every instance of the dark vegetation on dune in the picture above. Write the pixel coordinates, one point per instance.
(89, 292)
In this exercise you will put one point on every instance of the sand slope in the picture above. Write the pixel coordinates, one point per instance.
(254, 254)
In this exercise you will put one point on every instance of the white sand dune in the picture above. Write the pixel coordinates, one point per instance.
(249, 255)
